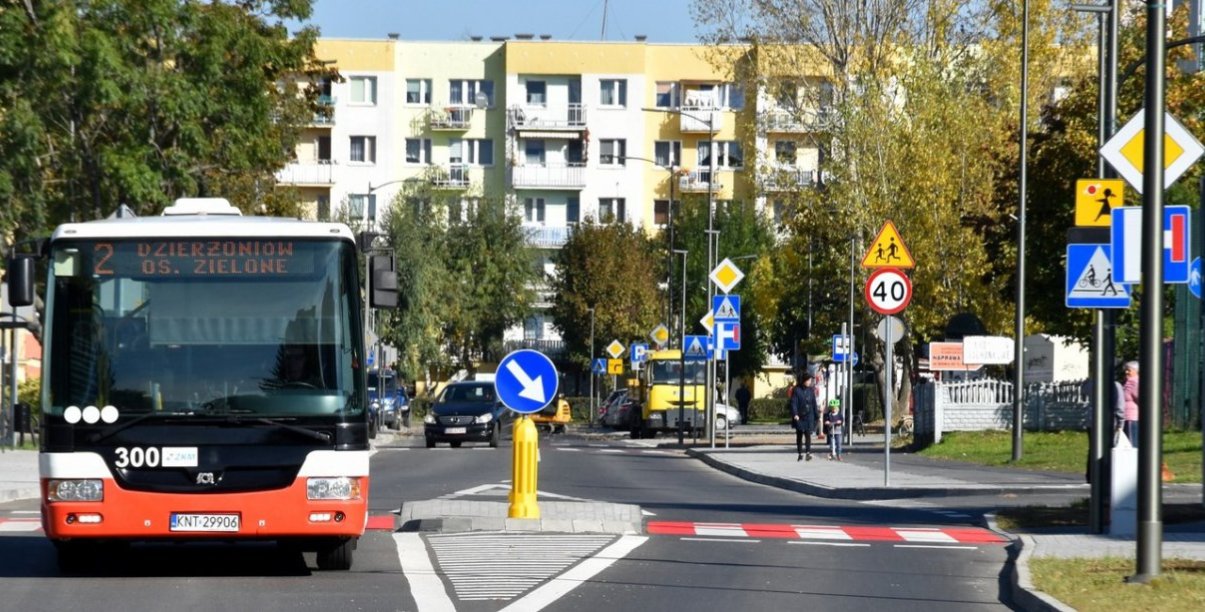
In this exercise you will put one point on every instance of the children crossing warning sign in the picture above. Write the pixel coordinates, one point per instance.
(888, 250)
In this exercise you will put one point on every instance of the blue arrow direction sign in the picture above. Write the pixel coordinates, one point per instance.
(600, 366)
(1090, 282)
(1194, 278)
(696, 348)
(1127, 243)
(526, 381)
(726, 308)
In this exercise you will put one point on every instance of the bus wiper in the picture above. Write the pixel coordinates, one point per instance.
(317, 435)
(116, 429)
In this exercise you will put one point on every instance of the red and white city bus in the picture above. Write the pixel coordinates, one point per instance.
(204, 379)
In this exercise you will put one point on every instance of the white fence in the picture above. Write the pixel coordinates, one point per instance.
(982, 405)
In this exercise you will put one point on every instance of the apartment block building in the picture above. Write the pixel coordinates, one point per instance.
(563, 131)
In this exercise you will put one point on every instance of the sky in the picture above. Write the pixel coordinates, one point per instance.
(660, 20)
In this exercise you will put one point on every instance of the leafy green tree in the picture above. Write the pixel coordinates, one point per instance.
(613, 268)
(138, 102)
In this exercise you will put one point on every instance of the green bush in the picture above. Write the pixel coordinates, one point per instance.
(769, 409)
(419, 407)
(579, 408)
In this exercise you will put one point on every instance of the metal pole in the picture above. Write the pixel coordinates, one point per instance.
(709, 392)
(849, 360)
(682, 359)
(888, 400)
(1019, 355)
(593, 406)
(1102, 385)
(1107, 346)
(669, 253)
(1150, 403)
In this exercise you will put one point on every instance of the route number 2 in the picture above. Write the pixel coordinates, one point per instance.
(888, 291)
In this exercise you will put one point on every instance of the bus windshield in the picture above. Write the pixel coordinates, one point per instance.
(667, 372)
(255, 326)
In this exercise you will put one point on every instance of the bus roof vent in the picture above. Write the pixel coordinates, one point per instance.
(201, 206)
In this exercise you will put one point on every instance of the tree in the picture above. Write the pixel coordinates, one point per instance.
(139, 102)
(613, 268)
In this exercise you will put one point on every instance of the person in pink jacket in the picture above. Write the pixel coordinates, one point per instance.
(1131, 402)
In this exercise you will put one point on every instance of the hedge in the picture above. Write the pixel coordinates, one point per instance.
(769, 409)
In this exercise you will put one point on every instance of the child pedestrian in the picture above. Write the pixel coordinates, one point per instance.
(833, 427)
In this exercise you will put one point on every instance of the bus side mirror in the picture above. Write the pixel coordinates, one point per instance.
(383, 285)
(20, 280)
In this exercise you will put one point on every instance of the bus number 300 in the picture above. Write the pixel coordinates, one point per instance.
(137, 457)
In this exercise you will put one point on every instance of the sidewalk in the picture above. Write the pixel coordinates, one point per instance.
(19, 475)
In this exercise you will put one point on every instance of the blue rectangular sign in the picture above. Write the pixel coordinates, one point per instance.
(1127, 244)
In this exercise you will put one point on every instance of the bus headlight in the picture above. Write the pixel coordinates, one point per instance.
(75, 490)
(342, 487)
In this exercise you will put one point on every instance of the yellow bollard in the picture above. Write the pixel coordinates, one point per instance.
(524, 470)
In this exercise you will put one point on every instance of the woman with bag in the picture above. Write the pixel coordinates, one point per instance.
(803, 416)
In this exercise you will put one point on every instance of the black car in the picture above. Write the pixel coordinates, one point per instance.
(465, 412)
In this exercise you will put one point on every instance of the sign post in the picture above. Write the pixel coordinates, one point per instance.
(526, 381)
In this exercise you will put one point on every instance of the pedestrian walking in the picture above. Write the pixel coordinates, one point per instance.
(742, 403)
(1130, 428)
(834, 426)
(803, 416)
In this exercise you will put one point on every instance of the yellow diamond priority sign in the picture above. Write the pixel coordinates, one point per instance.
(615, 349)
(708, 321)
(659, 335)
(726, 275)
(1125, 149)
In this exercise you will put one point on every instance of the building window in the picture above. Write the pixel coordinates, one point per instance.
(780, 211)
(537, 93)
(728, 154)
(533, 210)
(359, 203)
(668, 94)
(534, 152)
(667, 153)
(363, 90)
(784, 152)
(661, 211)
(612, 210)
(613, 92)
(418, 91)
(324, 207)
(480, 151)
(418, 150)
(363, 149)
(465, 92)
(731, 96)
(612, 152)
(573, 210)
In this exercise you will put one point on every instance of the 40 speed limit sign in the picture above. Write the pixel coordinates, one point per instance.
(888, 290)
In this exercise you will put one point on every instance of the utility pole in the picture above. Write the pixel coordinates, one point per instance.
(1019, 354)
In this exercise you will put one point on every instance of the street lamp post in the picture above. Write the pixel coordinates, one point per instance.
(1019, 347)
(682, 355)
(669, 257)
(590, 361)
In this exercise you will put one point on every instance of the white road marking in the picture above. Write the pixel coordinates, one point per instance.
(647, 513)
(20, 525)
(561, 585)
(425, 585)
(936, 546)
(731, 531)
(925, 535)
(568, 449)
(828, 543)
(729, 540)
(822, 533)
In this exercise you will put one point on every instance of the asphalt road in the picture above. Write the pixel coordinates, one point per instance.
(699, 571)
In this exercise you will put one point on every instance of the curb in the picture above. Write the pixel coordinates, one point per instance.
(1021, 592)
(856, 494)
(8, 495)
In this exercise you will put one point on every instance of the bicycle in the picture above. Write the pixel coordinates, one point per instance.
(859, 423)
(907, 426)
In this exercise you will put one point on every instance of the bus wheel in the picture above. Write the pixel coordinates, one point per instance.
(337, 556)
(494, 437)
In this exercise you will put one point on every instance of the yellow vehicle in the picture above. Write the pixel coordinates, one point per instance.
(555, 416)
(665, 393)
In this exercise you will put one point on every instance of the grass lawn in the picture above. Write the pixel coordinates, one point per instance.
(1064, 451)
(1098, 584)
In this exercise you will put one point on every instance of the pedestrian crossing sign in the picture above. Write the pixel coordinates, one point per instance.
(1090, 281)
(696, 347)
(888, 250)
(725, 308)
(1095, 200)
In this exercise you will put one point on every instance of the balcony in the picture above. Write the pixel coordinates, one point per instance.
(552, 348)
(782, 121)
(558, 119)
(453, 176)
(325, 116)
(697, 181)
(695, 119)
(454, 118)
(786, 178)
(547, 236)
(315, 173)
(569, 176)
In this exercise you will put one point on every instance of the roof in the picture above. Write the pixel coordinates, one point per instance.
(198, 226)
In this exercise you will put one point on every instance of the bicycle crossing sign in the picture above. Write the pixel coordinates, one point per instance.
(1090, 281)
